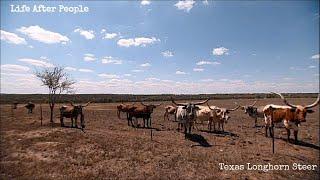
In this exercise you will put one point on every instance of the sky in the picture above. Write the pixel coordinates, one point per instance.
(163, 47)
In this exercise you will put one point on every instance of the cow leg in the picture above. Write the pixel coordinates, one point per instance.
(128, 118)
(150, 122)
(61, 121)
(271, 132)
(165, 116)
(266, 127)
(295, 136)
(255, 121)
(288, 133)
(222, 125)
(76, 121)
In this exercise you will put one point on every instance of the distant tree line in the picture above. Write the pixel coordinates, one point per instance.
(111, 98)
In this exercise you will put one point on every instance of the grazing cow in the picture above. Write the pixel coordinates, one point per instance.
(186, 114)
(30, 106)
(170, 110)
(291, 115)
(143, 112)
(124, 108)
(254, 112)
(73, 112)
(220, 116)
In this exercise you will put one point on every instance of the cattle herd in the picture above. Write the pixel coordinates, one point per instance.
(189, 115)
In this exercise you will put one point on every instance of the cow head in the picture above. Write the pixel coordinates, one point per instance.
(249, 109)
(300, 111)
(190, 108)
(78, 109)
(150, 107)
(223, 113)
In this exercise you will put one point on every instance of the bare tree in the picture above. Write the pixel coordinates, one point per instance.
(57, 81)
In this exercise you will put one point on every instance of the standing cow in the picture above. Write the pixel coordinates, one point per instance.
(73, 112)
(254, 112)
(220, 116)
(186, 114)
(291, 115)
(170, 110)
(124, 108)
(143, 111)
(30, 106)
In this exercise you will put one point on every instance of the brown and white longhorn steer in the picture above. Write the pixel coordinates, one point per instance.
(73, 112)
(291, 115)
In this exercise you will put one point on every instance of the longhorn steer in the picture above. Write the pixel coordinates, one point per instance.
(170, 110)
(144, 111)
(220, 116)
(291, 115)
(186, 114)
(73, 112)
(254, 112)
(30, 106)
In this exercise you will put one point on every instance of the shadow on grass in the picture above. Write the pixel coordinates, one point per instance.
(221, 133)
(198, 139)
(299, 143)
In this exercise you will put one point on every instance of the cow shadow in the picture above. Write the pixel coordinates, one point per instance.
(299, 143)
(198, 139)
(141, 127)
(220, 133)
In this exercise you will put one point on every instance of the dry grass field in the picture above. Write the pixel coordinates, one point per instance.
(109, 149)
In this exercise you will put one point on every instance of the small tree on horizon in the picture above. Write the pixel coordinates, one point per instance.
(57, 81)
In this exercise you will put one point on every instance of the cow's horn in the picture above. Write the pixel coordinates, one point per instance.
(86, 104)
(284, 100)
(234, 108)
(315, 103)
(253, 103)
(202, 102)
(157, 104)
(71, 103)
(177, 104)
(143, 103)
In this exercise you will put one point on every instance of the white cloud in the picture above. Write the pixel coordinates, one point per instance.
(36, 62)
(110, 35)
(103, 31)
(200, 63)
(180, 72)
(109, 76)
(207, 80)
(85, 70)
(88, 34)
(139, 41)
(110, 60)
(167, 53)
(14, 68)
(316, 56)
(127, 75)
(198, 69)
(145, 2)
(12, 38)
(205, 2)
(70, 68)
(145, 65)
(220, 51)
(137, 70)
(89, 57)
(185, 5)
(39, 34)
(311, 67)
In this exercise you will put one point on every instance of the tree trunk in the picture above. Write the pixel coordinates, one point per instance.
(51, 113)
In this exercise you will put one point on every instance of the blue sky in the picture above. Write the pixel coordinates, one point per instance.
(151, 47)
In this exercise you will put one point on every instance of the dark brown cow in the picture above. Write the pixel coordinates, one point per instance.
(30, 106)
(253, 111)
(73, 112)
(292, 115)
(142, 111)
